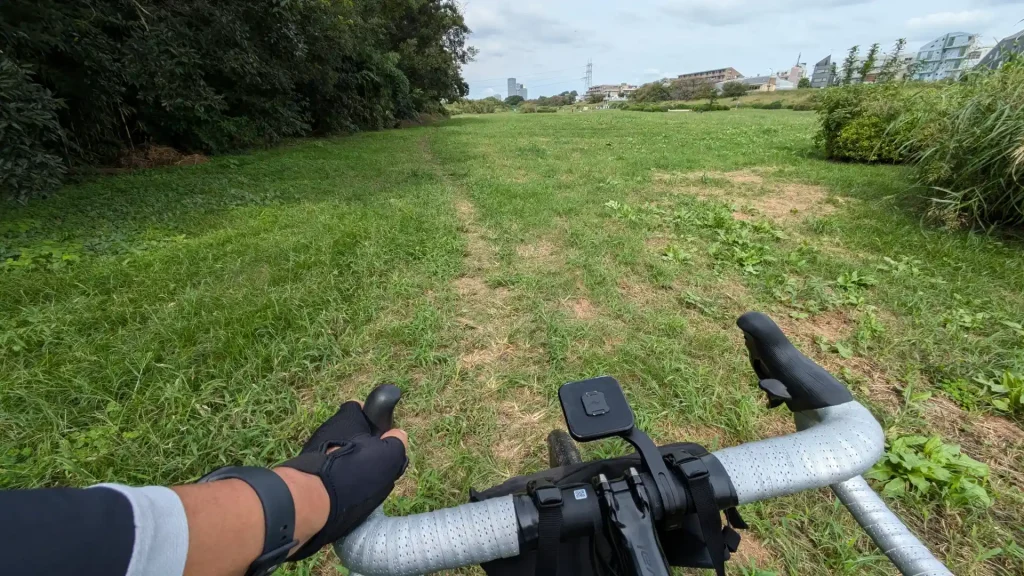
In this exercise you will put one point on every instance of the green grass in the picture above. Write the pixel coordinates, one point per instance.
(216, 314)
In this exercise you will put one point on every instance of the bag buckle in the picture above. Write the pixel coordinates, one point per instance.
(545, 494)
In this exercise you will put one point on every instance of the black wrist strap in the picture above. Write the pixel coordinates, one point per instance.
(278, 514)
(548, 499)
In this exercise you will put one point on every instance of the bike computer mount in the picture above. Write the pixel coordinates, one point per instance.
(596, 409)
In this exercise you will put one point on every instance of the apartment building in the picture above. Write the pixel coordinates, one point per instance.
(713, 76)
(949, 57)
(613, 92)
(1001, 53)
(822, 75)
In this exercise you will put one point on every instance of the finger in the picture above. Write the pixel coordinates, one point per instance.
(400, 434)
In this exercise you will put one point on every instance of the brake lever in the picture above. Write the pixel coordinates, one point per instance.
(380, 407)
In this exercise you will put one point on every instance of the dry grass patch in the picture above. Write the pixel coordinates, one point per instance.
(753, 551)
(787, 201)
(582, 309)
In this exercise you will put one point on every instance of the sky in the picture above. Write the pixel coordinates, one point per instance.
(546, 46)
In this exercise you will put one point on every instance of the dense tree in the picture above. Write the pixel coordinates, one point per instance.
(804, 83)
(595, 98)
(849, 63)
(563, 99)
(891, 67)
(514, 100)
(869, 63)
(689, 89)
(219, 75)
(734, 89)
(653, 92)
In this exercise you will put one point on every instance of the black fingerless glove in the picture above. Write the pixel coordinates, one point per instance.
(359, 475)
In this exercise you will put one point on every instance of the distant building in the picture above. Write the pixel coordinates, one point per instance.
(761, 84)
(949, 57)
(900, 72)
(515, 89)
(794, 74)
(822, 77)
(713, 76)
(1002, 51)
(613, 92)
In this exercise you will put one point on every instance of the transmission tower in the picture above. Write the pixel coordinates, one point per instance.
(589, 78)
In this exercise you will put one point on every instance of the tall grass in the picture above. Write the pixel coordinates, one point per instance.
(969, 146)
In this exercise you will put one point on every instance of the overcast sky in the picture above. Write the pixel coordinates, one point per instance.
(546, 45)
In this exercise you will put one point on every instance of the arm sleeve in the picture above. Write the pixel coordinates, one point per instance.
(108, 530)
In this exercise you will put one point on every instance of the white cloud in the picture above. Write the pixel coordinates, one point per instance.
(951, 21)
(733, 12)
(488, 92)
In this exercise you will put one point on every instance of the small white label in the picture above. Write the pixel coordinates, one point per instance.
(580, 494)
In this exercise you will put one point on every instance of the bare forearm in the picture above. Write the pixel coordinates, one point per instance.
(225, 521)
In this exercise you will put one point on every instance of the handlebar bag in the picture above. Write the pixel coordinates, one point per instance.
(593, 556)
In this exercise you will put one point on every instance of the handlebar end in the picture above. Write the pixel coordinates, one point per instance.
(773, 357)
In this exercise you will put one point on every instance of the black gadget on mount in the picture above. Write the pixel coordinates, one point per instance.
(596, 409)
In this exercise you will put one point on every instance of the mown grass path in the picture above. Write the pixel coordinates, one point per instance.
(215, 314)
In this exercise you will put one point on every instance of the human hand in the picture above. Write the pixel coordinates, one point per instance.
(342, 475)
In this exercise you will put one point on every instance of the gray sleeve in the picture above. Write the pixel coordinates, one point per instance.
(161, 531)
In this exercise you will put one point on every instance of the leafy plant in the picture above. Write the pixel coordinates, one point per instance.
(676, 254)
(902, 266)
(1007, 391)
(966, 320)
(928, 468)
(852, 281)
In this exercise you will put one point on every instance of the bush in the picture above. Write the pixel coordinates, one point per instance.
(595, 98)
(734, 89)
(967, 143)
(30, 135)
(489, 105)
(856, 119)
(546, 109)
(708, 107)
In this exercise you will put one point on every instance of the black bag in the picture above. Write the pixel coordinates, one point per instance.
(593, 555)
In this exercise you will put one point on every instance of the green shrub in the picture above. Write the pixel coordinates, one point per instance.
(967, 143)
(856, 122)
(30, 135)
(708, 107)
(927, 468)
(546, 109)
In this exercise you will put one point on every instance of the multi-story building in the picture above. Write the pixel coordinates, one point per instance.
(761, 84)
(713, 76)
(949, 57)
(516, 89)
(822, 76)
(613, 92)
(1001, 53)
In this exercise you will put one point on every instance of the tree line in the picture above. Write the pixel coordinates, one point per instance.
(82, 81)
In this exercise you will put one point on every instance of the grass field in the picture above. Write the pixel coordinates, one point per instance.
(160, 324)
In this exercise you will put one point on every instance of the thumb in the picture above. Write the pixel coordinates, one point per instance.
(400, 434)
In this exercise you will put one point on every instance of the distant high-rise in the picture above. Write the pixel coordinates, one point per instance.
(515, 89)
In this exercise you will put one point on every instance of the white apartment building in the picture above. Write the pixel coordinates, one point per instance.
(949, 57)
